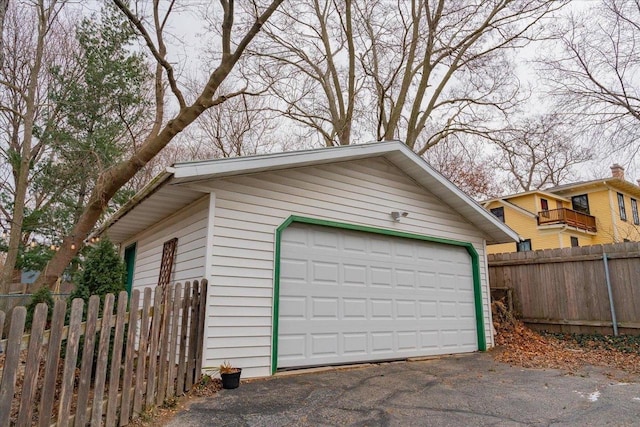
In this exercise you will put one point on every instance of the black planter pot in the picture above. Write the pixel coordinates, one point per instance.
(231, 380)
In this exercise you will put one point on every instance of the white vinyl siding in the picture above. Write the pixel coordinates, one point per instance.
(248, 209)
(189, 225)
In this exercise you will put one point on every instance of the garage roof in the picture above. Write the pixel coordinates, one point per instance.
(174, 188)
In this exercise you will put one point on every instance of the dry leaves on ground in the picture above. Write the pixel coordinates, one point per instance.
(519, 345)
(207, 387)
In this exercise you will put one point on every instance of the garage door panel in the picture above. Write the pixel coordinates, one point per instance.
(365, 297)
(354, 343)
(324, 308)
(293, 307)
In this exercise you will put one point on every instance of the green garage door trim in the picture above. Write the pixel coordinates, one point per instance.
(475, 265)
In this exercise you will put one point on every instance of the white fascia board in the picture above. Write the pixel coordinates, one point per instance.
(191, 171)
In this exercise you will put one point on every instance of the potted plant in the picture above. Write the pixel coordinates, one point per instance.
(230, 375)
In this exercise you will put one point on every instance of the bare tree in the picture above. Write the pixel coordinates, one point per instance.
(444, 67)
(593, 70)
(308, 60)
(539, 152)
(23, 84)
(464, 163)
(414, 70)
(151, 30)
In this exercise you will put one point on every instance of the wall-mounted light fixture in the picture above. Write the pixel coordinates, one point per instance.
(397, 215)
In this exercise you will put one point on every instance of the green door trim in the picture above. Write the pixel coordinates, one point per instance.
(475, 266)
(130, 261)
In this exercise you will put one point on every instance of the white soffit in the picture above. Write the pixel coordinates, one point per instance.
(151, 209)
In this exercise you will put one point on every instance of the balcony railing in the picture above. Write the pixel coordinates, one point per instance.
(567, 216)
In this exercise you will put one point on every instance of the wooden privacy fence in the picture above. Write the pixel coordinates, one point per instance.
(103, 370)
(567, 289)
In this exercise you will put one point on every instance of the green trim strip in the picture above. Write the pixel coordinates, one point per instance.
(475, 266)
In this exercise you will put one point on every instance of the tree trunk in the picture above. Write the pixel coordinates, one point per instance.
(4, 5)
(22, 177)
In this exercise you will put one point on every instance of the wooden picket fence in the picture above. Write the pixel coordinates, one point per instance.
(581, 289)
(130, 361)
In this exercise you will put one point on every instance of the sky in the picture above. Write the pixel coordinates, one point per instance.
(189, 41)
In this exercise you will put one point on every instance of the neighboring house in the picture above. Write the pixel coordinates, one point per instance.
(330, 256)
(579, 214)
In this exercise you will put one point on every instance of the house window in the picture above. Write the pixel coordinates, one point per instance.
(580, 203)
(499, 213)
(623, 211)
(524, 245)
(574, 242)
(634, 211)
(544, 204)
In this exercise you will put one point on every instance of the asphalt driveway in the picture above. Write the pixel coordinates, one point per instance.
(471, 390)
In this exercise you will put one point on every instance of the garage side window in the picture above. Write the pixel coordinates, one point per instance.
(166, 266)
(499, 213)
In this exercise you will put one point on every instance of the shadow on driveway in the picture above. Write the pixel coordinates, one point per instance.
(471, 390)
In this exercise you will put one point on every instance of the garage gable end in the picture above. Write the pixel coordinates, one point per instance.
(294, 219)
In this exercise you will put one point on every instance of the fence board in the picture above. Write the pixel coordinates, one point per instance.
(32, 366)
(87, 359)
(567, 287)
(202, 312)
(70, 359)
(173, 338)
(164, 344)
(102, 362)
(51, 366)
(184, 328)
(153, 348)
(11, 363)
(116, 357)
(143, 347)
(127, 379)
(193, 328)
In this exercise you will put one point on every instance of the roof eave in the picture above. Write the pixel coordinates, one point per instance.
(141, 195)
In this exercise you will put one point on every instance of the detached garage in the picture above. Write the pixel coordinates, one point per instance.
(331, 256)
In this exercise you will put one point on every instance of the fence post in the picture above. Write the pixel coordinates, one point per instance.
(613, 309)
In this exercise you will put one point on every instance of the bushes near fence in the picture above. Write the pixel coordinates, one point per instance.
(107, 369)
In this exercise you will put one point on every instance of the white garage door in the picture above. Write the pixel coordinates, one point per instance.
(349, 296)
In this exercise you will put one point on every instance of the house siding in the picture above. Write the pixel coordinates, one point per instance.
(545, 236)
(189, 225)
(248, 209)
